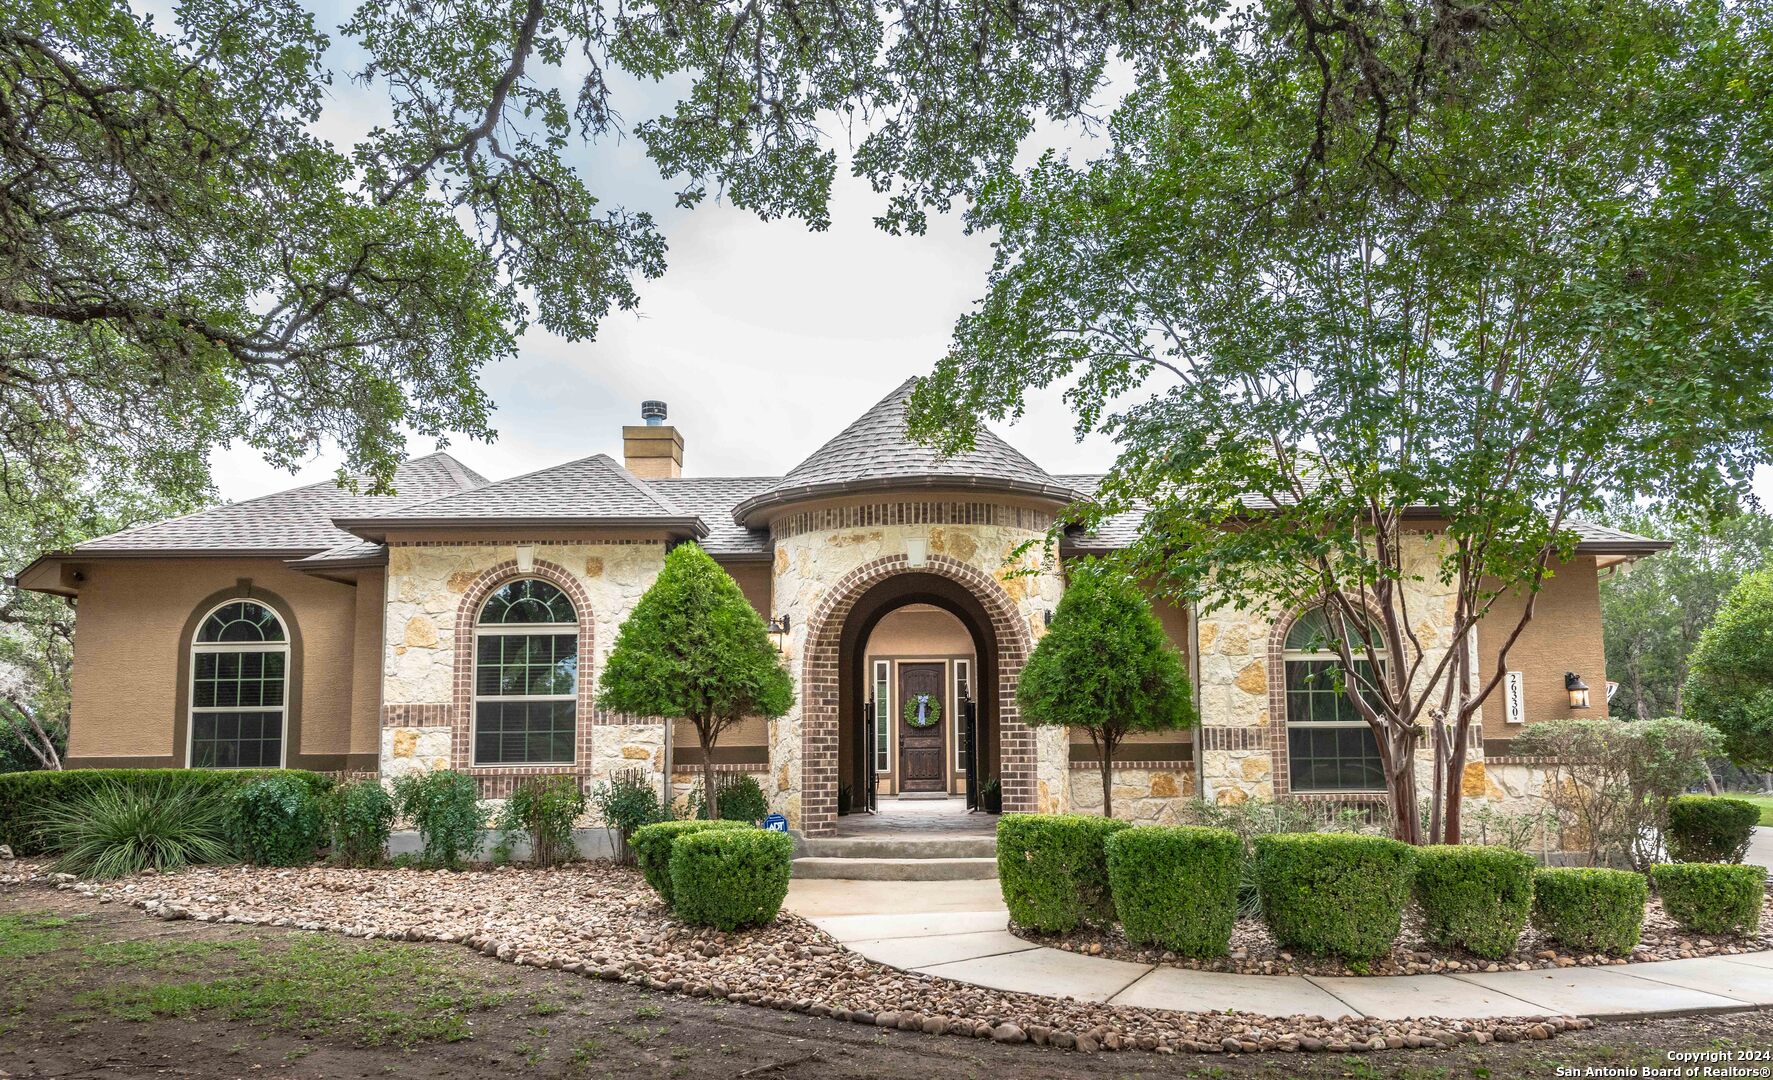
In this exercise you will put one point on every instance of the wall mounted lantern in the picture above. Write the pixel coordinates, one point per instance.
(1048, 616)
(1577, 689)
(778, 628)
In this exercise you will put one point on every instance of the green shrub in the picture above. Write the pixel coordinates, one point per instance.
(277, 821)
(740, 797)
(652, 849)
(625, 802)
(25, 796)
(1709, 898)
(123, 828)
(729, 878)
(444, 807)
(1710, 828)
(1176, 887)
(1474, 898)
(362, 815)
(1590, 908)
(1334, 894)
(544, 810)
(1053, 870)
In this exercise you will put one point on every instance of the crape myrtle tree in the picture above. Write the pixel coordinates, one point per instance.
(1731, 682)
(1378, 297)
(695, 649)
(1105, 666)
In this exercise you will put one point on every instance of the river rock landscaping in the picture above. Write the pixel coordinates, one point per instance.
(601, 921)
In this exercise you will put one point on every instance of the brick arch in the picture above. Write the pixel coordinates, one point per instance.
(1279, 753)
(497, 781)
(821, 702)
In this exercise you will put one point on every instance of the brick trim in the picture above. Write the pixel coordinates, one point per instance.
(910, 512)
(820, 710)
(1234, 738)
(1281, 771)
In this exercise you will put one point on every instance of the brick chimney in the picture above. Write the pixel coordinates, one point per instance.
(654, 449)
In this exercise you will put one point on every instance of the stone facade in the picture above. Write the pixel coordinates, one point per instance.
(1148, 794)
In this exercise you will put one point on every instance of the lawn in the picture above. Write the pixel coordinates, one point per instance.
(1765, 802)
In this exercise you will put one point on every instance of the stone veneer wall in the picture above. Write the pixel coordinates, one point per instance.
(1149, 793)
(810, 571)
(434, 591)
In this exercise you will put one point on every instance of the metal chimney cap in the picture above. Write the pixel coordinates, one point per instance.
(653, 412)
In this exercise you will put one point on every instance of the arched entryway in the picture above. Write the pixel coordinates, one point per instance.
(834, 689)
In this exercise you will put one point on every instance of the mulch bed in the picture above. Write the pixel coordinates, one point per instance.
(1254, 952)
(601, 921)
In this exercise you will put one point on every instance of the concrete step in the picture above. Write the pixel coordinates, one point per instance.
(966, 869)
(902, 847)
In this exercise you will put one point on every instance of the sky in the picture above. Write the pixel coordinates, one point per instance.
(764, 339)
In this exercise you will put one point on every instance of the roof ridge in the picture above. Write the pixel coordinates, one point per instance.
(642, 486)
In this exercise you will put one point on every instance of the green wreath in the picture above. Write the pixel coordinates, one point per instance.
(932, 713)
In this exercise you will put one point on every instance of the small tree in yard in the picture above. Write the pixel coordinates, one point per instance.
(1731, 685)
(695, 649)
(1105, 666)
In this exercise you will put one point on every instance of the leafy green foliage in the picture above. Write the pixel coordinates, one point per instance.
(740, 796)
(1334, 894)
(1710, 829)
(1709, 898)
(544, 811)
(1264, 817)
(25, 797)
(1591, 909)
(625, 802)
(1474, 898)
(361, 816)
(1315, 236)
(730, 878)
(1176, 887)
(114, 829)
(1731, 682)
(652, 849)
(277, 821)
(694, 648)
(444, 806)
(1053, 869)
(1106, 667)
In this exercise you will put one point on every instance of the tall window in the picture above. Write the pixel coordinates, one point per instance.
(963, 689)
(883, 760)
(239, 672)
(526, 676)
(1329, 746)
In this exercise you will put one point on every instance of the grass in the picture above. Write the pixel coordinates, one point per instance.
(25, 936)
(1765, 802)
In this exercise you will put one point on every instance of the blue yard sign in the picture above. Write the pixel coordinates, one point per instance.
(776, 823)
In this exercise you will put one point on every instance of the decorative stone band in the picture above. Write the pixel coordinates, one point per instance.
(695, 770)
(564, 537)
(1131, 766)
(919, 512)
(1232, 738)
(444, 715)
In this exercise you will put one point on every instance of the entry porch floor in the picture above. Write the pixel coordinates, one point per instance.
(897, 816)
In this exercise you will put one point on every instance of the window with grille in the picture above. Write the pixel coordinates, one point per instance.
(883, 761)
(963, 690)
(1330, 747)
(239, 677)
(526, 676)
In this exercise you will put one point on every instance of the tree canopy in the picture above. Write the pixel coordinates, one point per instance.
(1376, 298)
(1106, 667)
(1731, 684)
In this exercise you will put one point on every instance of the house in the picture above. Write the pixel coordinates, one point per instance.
(460, 623)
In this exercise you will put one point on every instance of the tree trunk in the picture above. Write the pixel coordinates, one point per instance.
(1400, 782)
(1107, 781)
(1456, 784)
(710, 796)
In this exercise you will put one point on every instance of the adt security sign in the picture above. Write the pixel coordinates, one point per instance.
(776, 823)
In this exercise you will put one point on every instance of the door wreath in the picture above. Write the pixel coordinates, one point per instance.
(923, 711)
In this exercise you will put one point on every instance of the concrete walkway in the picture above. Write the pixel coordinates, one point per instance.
(959, 930)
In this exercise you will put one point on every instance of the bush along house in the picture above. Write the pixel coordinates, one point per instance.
(461, 623)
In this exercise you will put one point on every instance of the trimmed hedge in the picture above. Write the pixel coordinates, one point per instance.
(729, 878)
(277, 821)
(25, 796)
(1709, 898)
(1053, 869)
(1176, 887)
(1333, 894)
(652, 845)
(1710, 828)
(1590, 908)
(1473, 897)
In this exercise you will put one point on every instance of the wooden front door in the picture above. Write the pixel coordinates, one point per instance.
(922, 751)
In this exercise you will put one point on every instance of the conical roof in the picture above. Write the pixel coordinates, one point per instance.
(876, 452)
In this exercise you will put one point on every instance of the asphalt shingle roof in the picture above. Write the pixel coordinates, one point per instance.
(712, 499)
(876, 452)
(293, 522)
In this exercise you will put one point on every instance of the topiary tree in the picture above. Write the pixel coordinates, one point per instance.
(694, 648)
(1730, 685)
(1105, 666)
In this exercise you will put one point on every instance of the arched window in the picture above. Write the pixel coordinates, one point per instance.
(1330, 747)
(526, 676)
(239, 674)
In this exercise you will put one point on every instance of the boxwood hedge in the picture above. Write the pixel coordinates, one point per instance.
(1333, 894)
(1053, 869)
(1590, 908)
(1176, 887)
(652, 845)
(1710, 828)
(729, 878)
(1473, 897)
(1712, 898)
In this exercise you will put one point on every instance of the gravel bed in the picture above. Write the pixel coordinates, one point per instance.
(601, 921)
(1254, 952)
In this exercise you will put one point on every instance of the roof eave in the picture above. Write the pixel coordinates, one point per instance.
(376, 528)
(746, 512)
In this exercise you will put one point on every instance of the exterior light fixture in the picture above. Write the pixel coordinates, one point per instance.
(778, 628)
(1048, 616)
(1577, 689)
